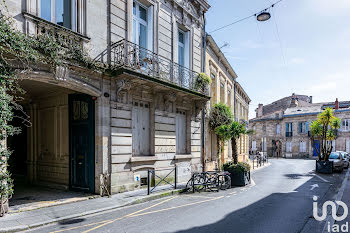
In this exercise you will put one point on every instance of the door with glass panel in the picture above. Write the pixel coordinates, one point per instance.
(139, 34)
(181, 59)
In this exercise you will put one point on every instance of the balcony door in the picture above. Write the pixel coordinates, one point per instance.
(183, 58)
(140, 33)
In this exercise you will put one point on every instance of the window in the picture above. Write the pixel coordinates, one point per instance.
(181, 131)
(212, 75)
(229, 98)
(264, 128)
(303, 127)
(222, 92)
(139, 24)
(331, 143)
(289, 146)
(302, 147)
(181, 48)
(345, 123)
(62, 12)
(278, 129)
(289, 129)
(277, 115)
(253, 145)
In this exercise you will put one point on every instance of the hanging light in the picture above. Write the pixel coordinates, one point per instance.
(263, 16)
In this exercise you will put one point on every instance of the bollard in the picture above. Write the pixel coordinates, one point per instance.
(148, 182)
(175, 176)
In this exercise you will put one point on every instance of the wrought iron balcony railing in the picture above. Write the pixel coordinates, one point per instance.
(289, 134)
(127, 54)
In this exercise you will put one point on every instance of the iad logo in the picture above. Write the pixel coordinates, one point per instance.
(335, 227)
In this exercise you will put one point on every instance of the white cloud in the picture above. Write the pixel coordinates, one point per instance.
(330, 7)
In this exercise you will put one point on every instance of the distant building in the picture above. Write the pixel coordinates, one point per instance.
(281, 128)
(224, 89)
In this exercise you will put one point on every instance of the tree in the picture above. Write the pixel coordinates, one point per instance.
(324, 129)
(233, 132)
(220, 115)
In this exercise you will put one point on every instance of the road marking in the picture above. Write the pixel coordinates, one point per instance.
(72, 228)
(314, 186)
(322, 178)
(151, 212)
(128, 215)
(234, 192)
(198, 196)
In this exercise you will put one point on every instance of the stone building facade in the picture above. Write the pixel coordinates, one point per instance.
(284, 129)
(146, 116)
(224, 89)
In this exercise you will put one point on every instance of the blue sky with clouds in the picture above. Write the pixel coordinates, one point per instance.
(314, 37)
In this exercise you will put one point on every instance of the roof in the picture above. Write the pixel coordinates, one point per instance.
(221, 55)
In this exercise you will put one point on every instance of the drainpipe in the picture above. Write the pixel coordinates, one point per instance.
(204, 49)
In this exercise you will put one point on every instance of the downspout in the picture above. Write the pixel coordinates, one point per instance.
(204, 49)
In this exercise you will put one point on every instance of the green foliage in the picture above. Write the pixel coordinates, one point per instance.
(236, 167)
(202, 82)
(324, 129)
(220, 115)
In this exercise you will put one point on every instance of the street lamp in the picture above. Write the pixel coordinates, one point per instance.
(263, 16)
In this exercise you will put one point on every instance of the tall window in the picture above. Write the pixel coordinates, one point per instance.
(302, 147)
(278, 129)
(181, 48)
(139, 24)
(62, 12)
(345, 123)
(303, 127)
(289, 146)
(289, 129)
(222, 92)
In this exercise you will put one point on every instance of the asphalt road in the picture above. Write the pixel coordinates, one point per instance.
(280, 201)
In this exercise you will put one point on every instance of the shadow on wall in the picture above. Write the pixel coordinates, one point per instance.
(279, 212)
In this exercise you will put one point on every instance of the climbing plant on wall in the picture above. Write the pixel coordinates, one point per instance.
(19, 54)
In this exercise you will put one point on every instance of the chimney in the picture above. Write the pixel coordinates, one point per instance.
(310, 99)
(336, 104)
(294, 103)
(259, 110)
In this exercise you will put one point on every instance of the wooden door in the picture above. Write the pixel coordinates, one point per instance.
(180, 131)
(141, 128)
(81, 142)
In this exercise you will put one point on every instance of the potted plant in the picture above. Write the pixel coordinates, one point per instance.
(220, 115)
(324, 130)
(240, 173)
(202, 82)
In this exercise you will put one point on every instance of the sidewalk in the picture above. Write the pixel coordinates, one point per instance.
(30, 219)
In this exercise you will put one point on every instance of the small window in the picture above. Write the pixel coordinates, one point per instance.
(212, 76)
(143, 13)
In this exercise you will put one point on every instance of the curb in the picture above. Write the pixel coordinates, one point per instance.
(133, 202)
(338, 197)
(257, 169)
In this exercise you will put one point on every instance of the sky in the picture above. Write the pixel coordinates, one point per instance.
(304, 48)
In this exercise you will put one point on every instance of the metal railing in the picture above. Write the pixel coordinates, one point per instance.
(289, 134)
(162, 179)
(127, 54)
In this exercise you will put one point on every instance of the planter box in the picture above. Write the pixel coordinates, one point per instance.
(239, 178)
(4, 207)
(325, 167)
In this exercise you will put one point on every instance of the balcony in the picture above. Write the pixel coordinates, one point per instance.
(289, 134)
(65, 36)
(132, 57)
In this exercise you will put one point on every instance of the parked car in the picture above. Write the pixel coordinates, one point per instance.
(337, 159)
(346, 158)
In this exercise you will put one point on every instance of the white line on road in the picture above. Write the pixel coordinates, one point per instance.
(322, 178)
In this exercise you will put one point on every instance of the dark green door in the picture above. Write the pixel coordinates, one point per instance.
(81, 142)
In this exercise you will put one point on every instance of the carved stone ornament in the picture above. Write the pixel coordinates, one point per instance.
(168, 99)
(122, 85)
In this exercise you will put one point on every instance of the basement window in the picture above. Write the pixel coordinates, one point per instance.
(144, 181)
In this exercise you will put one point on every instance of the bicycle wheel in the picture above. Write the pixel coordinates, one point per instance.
(227, 181)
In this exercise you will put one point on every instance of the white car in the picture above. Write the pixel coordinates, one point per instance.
(337, 159)
(345, 159)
